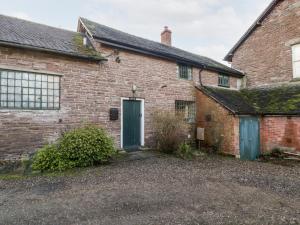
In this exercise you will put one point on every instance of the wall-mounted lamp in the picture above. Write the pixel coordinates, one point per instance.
(133, 89)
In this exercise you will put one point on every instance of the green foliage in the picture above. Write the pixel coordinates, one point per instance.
(80, 147)
(185, 151)
(170, 130)
(86, 146)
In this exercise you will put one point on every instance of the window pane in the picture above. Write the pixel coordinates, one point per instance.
(18, 83)
(29, 90)
(3, 89)
(24, 83)
(18, 76)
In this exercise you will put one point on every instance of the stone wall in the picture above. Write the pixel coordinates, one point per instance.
(221, 127)
(88, 91)
(266, 56)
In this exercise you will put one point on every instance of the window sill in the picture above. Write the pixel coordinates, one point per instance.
(223, 86)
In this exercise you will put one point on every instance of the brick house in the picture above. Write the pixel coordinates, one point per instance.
(265, 114)
(52, 80)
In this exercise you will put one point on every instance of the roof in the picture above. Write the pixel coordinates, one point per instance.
(270, 100)
(256, 24)
(233, 100)
(124, 40)
(25, 34)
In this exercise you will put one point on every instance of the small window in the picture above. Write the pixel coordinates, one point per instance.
(187, 109)
(296, 61)
(26, 90)
(223, 81)
(184, 72)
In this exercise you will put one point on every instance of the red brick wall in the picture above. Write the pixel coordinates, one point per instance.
(282, 132)
(221, 127)
(211, 79)
(266, 56)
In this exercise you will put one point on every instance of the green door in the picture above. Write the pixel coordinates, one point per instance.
(131, 124)
(249, 138)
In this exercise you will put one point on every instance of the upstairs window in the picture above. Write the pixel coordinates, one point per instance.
(187, 109)
(184, 72)
(296, 61)
(26, 90)
(223, 81)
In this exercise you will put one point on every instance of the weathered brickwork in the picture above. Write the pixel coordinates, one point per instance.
(280, 132)
(266, 56)
(221, 127)
(88, 91)
(211, 79)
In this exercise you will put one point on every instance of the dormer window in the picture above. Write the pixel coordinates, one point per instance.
(296, 61)
(184, 72)
(223, 81)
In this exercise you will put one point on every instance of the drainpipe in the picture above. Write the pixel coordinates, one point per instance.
(200, 77)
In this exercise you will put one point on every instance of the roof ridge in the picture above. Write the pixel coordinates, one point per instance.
(165, 46)
(37, 23)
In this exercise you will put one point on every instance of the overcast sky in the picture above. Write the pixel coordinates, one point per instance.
(205, 27)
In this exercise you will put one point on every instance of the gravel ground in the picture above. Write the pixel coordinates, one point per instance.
(158, 190)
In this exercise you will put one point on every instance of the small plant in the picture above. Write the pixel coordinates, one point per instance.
(170, 130)
(185, 151)
(80, 147)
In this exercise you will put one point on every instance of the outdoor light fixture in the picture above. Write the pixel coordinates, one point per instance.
(133, 89)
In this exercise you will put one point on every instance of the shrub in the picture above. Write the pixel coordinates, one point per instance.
(170, 130)
(80, 147)
(185, 151)
(49, 158)
(86, 146)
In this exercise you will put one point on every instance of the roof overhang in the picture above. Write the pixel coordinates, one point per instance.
(34, 48)
(165, 56)
(256, 24)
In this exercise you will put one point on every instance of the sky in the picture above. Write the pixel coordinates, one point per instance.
(205, 27)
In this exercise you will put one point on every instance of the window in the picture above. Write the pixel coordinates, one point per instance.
(187, 108)
(24, 90)
(223, 81)
(296, 61)
(184, 72)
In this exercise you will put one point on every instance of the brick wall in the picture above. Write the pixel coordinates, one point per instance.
(266, 55)
(282, 132)
(221, 127)
(211, 79)
(88, 91)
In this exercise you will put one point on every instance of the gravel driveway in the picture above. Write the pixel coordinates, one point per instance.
(158, 190)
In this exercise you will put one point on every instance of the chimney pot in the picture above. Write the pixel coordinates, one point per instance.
(166, 36)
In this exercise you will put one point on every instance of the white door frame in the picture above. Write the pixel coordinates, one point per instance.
(142, 120)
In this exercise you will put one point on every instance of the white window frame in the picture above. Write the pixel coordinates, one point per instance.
(295, 60)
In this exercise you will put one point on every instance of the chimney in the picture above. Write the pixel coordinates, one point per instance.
(166, 36)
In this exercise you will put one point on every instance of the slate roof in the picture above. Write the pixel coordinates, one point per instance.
(256, 24)
(26, 34)
(122, 39)
(271, 100)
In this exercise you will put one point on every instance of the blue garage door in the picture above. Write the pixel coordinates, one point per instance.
(249, 138)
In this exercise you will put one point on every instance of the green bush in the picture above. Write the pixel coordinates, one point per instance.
(80, 147)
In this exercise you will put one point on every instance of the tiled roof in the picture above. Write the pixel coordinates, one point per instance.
(271, 100)
(26, 34)
(113, 36)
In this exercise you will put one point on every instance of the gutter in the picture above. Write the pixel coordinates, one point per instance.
(12, 44)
